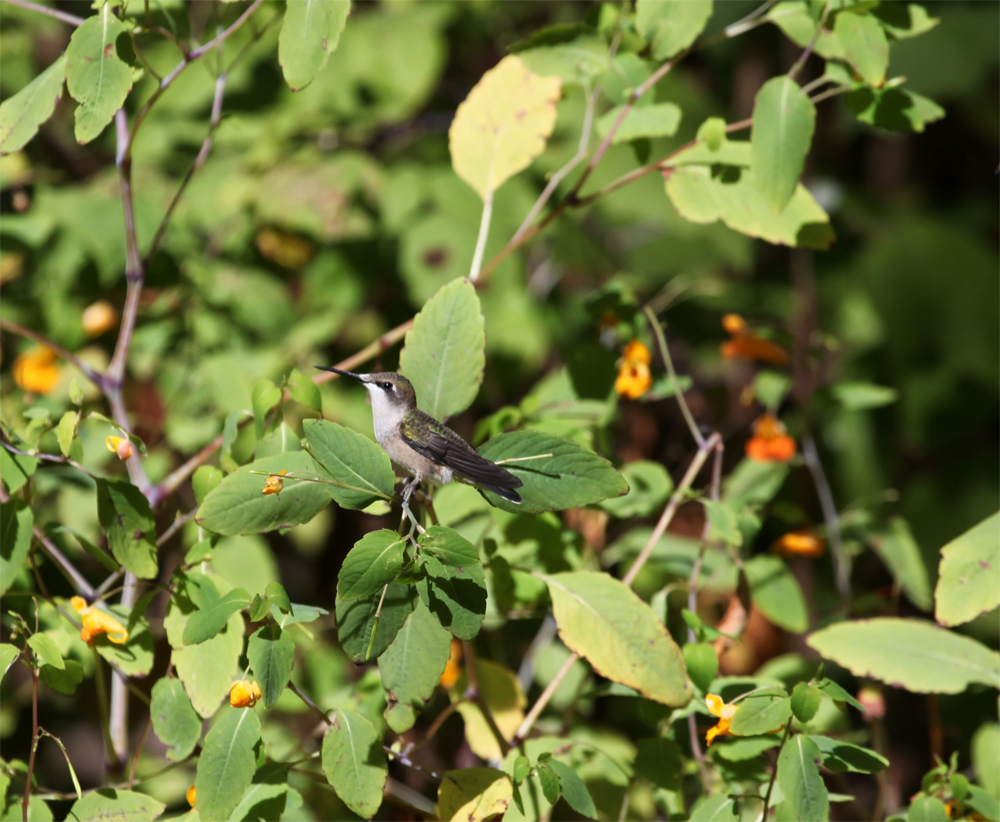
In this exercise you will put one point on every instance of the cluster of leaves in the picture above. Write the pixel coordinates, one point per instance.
(223, 348)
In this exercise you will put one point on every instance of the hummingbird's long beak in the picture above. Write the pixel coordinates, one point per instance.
(338, 371)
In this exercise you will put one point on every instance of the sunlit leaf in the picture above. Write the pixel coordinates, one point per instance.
(175, 722)
(969, 577)
(354, 762)
(24, 112)
(271, 653)
(670, 26)
(370, 565)
(114, 804)
(784, 119)
(310, 31)
(800, 780)
(473, 794)
(227, 763)
(360, 467)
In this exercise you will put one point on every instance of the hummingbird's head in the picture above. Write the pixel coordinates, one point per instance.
(388, 390)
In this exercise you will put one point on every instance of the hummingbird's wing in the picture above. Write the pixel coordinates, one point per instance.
(443, 446)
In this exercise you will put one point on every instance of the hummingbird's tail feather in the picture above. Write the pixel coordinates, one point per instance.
(507, 493)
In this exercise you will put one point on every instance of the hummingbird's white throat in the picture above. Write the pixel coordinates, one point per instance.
(386, 414)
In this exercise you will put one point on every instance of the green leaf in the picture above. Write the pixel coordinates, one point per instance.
(725, 524)
(175, 722)
(670, 26)
(277, 594)
(298, 613)
(752, 483)
(16, 469)
(305, 391)
(310, 32)
(522, 767)
(784, 119)
(799, 24)
(66, 431)
(712, 133)
(271, 654)
(238, 505)
(573, 789)
(444, 354)
(97, 78)
(838, 694)
(230, 430)
(412, 666)
(806, 700)
(843, 756)
(865, 45)
(909, 653)
(360, 466)
(448, 547)
(354, 762)
(568, 51)
(983, 802)
(777, 593)
(718, 808)
(761, 714)
(16, 524)
(736, 749)
(205, 623)
(371, 564)
(127, 519)
(986, 756)
(601, 619)
(264, 397)
(770, 388)
(8, 656)
(204, 480)
(860, 396)
(474, 794)
(355, 620)
(24, 112)
(704, 194)
(115, 805)
(969, 575)
(46, 650)
(927, 809)
(63, 680)
(227, 763)
(550, 783)
(456, 596)
(899, 551)
(702, 663)
(657, 120)
(571, 478)
(649, 486)
(134, 657)
(800, 780)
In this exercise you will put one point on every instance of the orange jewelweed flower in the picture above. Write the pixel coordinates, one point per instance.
(244, 694)
(98, 318)
(453, 670)
(724, 712)
(746, 345)
(36, 370)
(191, 795)
(769, 442)
(275, 482)
(634, 378)
(96, 622)
(805, 543)
(119, 445)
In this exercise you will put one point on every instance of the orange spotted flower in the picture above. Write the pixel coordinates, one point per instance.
(805, 543)
(725, 712)
(244, 694)
(275, 482)
(634, 378)
(769, 442)
(96, 622)
(36, 370)
(746, 345)
(453, 670)
(119, 445)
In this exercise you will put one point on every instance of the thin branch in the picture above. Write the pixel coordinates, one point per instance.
(175, 526)
(72, 19)
(819, 98)
(841, 562)
(668, 513)
(484, 229)
(542, 701)
(90, 373)
(76, 579)
(699, 756)
(797, 66)
(41, 455)
(312, 705)
(661, 341)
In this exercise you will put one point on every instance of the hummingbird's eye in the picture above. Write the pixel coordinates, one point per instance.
(386, 386)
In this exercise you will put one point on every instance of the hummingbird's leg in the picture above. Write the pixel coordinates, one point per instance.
(408, 490)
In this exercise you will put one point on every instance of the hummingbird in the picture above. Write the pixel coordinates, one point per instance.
(422, 446)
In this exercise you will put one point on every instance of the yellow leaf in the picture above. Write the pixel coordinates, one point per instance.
(503, 696)
(473, 794)
(502, 125)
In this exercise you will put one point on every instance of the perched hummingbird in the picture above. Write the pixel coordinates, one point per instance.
(418, 443)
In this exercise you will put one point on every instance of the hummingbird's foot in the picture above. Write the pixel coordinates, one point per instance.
(413, 520)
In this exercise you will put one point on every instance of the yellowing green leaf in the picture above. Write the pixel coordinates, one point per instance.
(969, 581)
(502, 125)
(619, 635)
(473, 794)
(501, 691)
(309, 33)
(112, 804)
(865, 45)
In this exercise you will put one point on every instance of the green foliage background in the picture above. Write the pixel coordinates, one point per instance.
(324, 218)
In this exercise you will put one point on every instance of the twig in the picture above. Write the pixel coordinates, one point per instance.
(90, 373)
(34, 741)
(138, 751)
(312, 705)
(473, 693)
(661, 342)
(699, 755)
(439, 720)
(72, 19)
(671, 509)
(797, 66)
(841, 562)
(542, 701)
(76, 579)
(175, 526)
(830, 93)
